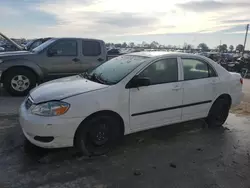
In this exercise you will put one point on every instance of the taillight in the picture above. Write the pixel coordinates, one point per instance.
(241, 80)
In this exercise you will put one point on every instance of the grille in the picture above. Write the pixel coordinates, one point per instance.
(28, 103)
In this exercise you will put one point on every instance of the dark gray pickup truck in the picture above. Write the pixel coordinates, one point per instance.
(20, 71)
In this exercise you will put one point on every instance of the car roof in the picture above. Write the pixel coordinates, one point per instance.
(75, 38)
(157, 54)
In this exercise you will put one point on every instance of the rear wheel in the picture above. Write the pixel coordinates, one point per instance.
(98, 135)
(19, 81)
(219, 112)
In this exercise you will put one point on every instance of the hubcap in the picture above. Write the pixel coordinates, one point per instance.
(99, 135)
(20, 83)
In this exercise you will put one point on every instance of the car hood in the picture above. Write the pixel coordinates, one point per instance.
(12, 42)
(14, 54)
(63, 88)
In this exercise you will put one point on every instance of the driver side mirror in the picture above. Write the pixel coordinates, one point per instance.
(138, 82)
(52, 52)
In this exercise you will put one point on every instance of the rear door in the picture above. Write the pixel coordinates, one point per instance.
(66, 60)
(199, 86)
(93, 54)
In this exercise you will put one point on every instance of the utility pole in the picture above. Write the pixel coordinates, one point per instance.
(220, 46)
(245, 39)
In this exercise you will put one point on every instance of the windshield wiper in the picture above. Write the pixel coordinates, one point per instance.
(85, 75)
(96, 78)
(92, 77)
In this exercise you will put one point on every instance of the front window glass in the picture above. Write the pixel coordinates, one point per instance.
(162, 71)
(65, 48)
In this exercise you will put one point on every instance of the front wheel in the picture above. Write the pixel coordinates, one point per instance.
(19, 81)
(218, 113)
(98, 135)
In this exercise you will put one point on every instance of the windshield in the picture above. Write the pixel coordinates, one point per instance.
(116, 69)
(43, 45)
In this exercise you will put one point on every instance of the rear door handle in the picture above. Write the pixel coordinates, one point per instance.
(214, 82)
(76, 59)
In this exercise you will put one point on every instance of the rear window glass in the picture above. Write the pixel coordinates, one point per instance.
(91, 48)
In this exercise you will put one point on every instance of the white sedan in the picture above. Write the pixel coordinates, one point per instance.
(127, 94)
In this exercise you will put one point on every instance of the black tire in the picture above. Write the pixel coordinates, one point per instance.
(98, 135)
(218, 113)
(11, 74)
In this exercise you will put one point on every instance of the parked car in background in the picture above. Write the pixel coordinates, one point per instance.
(113, 51)
(10, 45)
(127, 94)
(20, 71)
(212, 55)
(2, 49)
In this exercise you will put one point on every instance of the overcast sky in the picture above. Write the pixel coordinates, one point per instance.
(165, 21)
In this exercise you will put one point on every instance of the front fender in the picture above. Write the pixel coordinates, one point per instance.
(9, 64)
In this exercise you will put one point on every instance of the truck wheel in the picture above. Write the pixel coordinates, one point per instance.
(19, 81)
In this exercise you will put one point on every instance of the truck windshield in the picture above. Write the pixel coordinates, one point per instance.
(116, 69)
(43, 46)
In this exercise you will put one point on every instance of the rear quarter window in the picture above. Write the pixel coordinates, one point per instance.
(91, 48)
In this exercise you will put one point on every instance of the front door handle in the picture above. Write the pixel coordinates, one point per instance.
(76, 59)
(176, 88)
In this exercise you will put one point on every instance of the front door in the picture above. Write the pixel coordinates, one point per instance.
(200, 87)
(63, 58)
(159, 103)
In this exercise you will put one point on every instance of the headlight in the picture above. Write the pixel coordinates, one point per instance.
(52, 108)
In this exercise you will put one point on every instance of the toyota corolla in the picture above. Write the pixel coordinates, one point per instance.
(130, 93)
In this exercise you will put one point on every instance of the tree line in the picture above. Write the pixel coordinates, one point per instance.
(155, 45)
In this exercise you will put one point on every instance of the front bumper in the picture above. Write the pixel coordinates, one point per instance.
(61, 129)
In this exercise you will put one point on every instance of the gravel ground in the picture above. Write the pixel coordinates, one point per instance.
(178, 156)
(181, 155)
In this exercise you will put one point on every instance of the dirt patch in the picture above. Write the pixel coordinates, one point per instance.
(242, 109)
